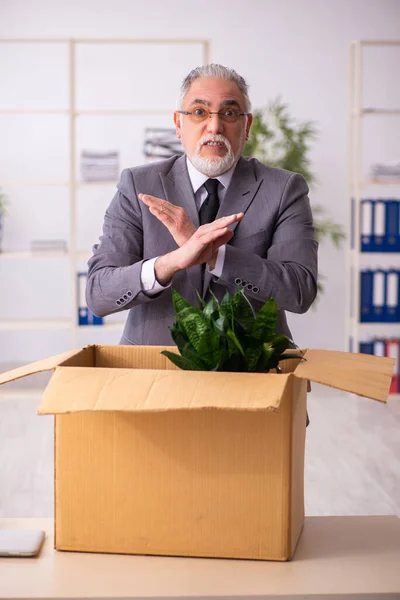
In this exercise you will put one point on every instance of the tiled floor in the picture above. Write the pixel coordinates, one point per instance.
(352, 456)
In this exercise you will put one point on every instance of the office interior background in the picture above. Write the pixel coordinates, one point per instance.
(298, 50)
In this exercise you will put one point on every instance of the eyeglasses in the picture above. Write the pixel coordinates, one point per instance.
(199, 114)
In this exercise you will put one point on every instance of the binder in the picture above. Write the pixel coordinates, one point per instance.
(85, 315)
(83, 311)
(379, 347)
(378, 232)
(366, 347)
(392, 351)
(378, 296)
(366, 214)
(392, 296)
(391, 240)
(366, 280)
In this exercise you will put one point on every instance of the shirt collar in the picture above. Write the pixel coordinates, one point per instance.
(197, 179)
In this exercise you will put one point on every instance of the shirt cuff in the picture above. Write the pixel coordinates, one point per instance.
(148, 279)
(219, 263)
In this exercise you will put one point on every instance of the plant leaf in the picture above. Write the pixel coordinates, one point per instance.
(181, 361)
(266, 319)
(243, 311)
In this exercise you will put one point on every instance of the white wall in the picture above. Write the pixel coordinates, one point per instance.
(296, 48)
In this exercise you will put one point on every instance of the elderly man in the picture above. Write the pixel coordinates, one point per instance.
(209, 220)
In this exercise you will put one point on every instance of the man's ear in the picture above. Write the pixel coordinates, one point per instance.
(248, 125)
(177, 121)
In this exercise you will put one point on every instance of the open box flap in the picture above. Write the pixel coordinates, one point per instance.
(362, 374)
(46, 364)
(118, 389)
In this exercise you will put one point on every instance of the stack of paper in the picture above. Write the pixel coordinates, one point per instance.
(161, 143)
(99, 166)
(386, 170)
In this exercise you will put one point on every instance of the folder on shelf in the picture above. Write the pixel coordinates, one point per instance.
(379, 347)
(85, 315)
(392, 296)
(392, 229)
(366, 214)
(378, 231)
(379, 295)
(366, 286)
(392, 351)
(366, 347)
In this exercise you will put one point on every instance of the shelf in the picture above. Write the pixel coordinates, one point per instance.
(14, 325)
(121, 112)
(95, 183)
(375, 326)
(21, 254)
(370, 255)
(32, 182)
(379, 111)
(40, 254)
(34, 111)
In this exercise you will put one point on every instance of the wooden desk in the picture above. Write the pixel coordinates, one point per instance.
(337, 557)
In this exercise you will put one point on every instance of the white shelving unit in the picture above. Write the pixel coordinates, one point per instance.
(73, 111)
(362, 186)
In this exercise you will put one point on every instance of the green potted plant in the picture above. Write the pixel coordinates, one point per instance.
(276, 140)
(227, 335)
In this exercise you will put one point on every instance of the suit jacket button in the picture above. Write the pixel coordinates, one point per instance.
(249, 287)
(256, 289)
(238, 281)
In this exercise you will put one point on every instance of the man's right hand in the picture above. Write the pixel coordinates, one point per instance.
(199, 248)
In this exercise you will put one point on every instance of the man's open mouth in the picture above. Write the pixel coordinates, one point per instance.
(221, 144)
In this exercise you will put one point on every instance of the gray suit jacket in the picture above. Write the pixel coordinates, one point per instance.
(273, 252)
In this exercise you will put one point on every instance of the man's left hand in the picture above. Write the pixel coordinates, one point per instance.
(173, 217)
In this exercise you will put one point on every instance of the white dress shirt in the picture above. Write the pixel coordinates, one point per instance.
(150, 284)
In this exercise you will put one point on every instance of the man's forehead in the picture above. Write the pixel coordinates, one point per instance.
(214, 89)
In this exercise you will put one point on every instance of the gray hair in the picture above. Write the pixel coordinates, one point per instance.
(215, 70)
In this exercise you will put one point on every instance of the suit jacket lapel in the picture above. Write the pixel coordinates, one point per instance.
(239, 195)
(241, 191)
(178, 190)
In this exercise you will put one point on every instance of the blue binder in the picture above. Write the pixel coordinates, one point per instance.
(85, 315)
(366, 347)
(391, 241)
(366, 225)
(366, 281)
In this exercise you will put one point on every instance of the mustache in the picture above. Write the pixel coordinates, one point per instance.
(213, 138)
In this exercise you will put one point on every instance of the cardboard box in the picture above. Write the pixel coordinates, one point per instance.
(150, 459)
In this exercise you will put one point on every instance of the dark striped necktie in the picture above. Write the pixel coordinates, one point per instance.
(210, 206)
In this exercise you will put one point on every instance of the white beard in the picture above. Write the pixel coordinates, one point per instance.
(213, 167)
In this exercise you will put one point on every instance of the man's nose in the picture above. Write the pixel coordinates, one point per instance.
(215, 124)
